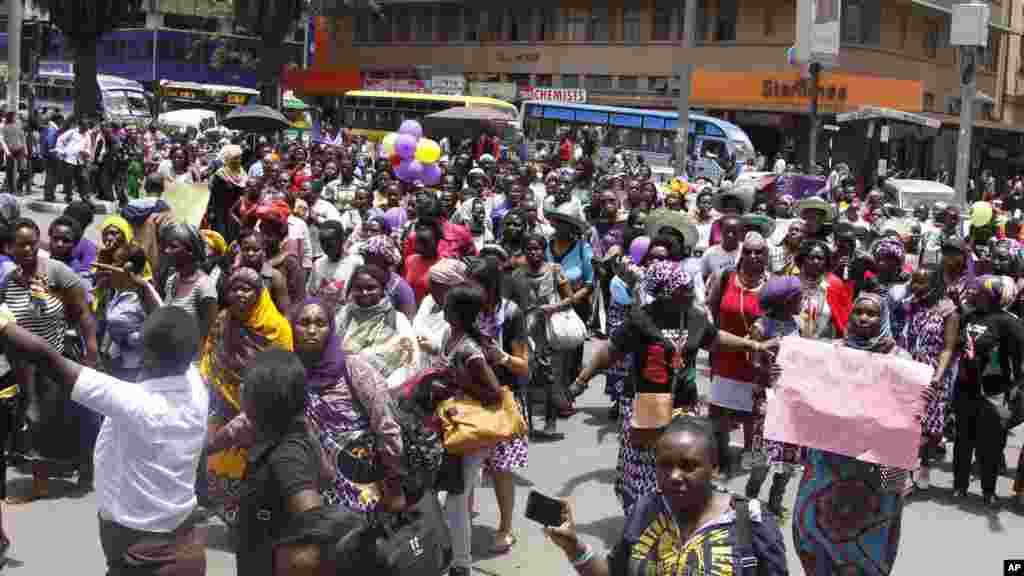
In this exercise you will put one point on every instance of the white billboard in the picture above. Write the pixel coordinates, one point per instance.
(819, 31)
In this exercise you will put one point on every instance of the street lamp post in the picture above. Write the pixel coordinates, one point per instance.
(685, 75)
(969, 31)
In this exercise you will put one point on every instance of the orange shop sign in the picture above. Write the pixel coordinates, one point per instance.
(837, 91)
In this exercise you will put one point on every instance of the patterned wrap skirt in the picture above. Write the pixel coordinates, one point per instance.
(846, 520)
(615, 375)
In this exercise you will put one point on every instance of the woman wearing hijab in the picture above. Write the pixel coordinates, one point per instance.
(834, 530)
(992, 347)
(781, 301)
(382, 252)
(370, 325)
(226, 187)
(347, 405)
(663, 336)
(124, 296)
(735, 305)
(429, 323)
(250, 324)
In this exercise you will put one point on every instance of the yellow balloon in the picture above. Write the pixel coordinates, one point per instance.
(981, 214)
(389, 143)
(428, 151)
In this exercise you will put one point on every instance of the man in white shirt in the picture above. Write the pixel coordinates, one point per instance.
(780, 164)
(74, 145)
(149, 445)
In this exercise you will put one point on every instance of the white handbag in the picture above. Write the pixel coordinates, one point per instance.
(566, 330)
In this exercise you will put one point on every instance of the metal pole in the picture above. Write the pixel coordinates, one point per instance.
(968, 89)
(685, 76)
(812, 148)
(15, 15)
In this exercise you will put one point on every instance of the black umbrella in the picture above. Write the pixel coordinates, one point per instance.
(256, 118)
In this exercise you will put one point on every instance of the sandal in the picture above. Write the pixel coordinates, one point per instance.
(503, 543)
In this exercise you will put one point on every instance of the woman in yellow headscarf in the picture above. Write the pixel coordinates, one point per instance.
(122, 298)
(251, 323)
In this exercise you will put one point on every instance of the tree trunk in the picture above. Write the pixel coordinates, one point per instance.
(87, 91)
(270, 75)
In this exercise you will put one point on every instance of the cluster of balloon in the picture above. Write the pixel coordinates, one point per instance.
(981, 214)
(413, 156)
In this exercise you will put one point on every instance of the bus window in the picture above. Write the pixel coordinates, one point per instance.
(349, 116)
(382, 118)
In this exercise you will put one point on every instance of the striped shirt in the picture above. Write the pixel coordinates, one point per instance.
(40, 310)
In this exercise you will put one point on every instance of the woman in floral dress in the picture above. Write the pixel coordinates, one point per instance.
(931, 337)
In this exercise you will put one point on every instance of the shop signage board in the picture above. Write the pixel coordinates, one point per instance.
(566, 95)
(500, 90)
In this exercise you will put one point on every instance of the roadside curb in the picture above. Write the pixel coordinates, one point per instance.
(38, 204)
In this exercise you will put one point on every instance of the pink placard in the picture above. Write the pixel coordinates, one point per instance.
(848, 401)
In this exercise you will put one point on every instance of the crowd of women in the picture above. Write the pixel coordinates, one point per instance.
(371, 281)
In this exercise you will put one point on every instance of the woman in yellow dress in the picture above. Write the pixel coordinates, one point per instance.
(250, 324)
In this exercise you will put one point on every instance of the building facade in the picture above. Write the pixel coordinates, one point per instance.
(895, 54)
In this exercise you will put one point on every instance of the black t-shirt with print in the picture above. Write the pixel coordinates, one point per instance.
(661, 347)
(276, 471)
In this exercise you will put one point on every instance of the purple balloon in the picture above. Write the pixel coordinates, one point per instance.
(431, 174)
(415, 170)
(402, 172)
(638, 249)
(412, 128)
(405, 146)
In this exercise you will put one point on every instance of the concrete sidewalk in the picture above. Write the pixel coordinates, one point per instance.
(36, 203)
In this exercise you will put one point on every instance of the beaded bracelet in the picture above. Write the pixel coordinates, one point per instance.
(586, 556)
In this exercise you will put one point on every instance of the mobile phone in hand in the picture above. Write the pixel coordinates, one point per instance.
(543, 509)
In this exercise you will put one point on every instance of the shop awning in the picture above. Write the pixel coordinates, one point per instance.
(954, 120)
(946, 7)
(875, 113)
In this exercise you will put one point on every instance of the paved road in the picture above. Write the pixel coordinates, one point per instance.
(59, 535)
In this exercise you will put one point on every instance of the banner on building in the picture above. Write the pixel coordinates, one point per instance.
(818, 31)
(567, 95)
(501, 90)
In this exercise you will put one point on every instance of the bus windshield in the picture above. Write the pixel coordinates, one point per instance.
(126, 103)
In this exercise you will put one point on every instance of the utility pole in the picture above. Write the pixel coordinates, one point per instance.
(685, 76)
(15, 15)
(812, 148)
(969, 31)
(968, 90)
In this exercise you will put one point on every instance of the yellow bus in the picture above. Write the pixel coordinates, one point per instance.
(373, 113)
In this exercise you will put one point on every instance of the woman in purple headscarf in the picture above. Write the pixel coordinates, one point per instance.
(348, 400)
(349, 412)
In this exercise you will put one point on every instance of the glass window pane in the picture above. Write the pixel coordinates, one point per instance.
(663, 20)
(570, 81)
(599, 82)
(403, 25)
(450, 23)
(631, 24)
(472, 19)
(597, 31)
(628, 83)
(726, 22)
(424, 22)
(520, 25)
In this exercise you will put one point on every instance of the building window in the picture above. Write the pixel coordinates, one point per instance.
(631, 24)
(597, 30)
(382, 31)
(519, 25)
(769, 20)
(403, 25)
(494, 25)
(570, 80)
(929, 102)
(725, 23)
(472, 19)
(658, 84)
(702, 24)
(545, 81)
(628, 83)
(449, 23)
(576, 25)
(599, 83)
(547, 24)
(662, 25)
(423, 20)
(931, 38)
(363, 29)
(861, 21)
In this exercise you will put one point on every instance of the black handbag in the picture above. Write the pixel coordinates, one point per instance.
(415, 542)
(1008, 406)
